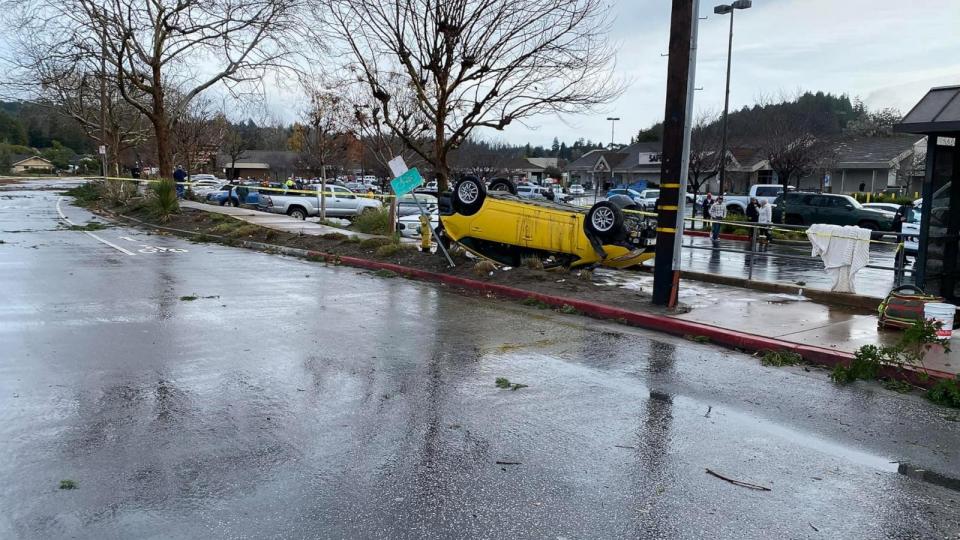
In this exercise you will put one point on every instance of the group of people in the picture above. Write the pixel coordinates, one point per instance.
(757, 211)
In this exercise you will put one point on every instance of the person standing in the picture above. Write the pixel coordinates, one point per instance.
(242, 192)
(765, 220)
(752, 210)
(180, 176)
(718, 212)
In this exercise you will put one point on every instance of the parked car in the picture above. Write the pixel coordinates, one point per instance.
(634, 195)
(220, 196)
(406, 205)
(804, 208)
(531, 191)
(576, 189)
(409, 226)
(504, 227)
(737, 204)
(340, 202)
(911, 230)
(203, 185)
(892, 208)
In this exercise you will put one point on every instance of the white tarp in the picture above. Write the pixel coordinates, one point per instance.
(844, 251)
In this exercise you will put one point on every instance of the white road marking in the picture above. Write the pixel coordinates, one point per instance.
(147, 248)
(90, 234)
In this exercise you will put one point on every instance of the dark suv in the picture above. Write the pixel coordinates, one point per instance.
(800, 208)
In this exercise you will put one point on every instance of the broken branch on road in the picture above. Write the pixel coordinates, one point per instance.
(738, 482)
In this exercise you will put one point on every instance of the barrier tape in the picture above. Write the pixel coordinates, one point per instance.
(739, 224)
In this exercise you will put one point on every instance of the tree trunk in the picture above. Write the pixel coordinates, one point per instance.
(440, 155)
(162, 136)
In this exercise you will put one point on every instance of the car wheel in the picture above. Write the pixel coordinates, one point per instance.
(604, 220)
(297, 213)
(468, 196)
(875, 233)
(502, 184)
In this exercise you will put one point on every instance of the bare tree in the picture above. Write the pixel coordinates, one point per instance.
(321, 137)
(234, 145)
(791, 146)
(76, 86)
(198, 134)
(162, 54)
(473, 63)
(704, 154)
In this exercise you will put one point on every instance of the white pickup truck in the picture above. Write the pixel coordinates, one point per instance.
(738, 203)
(340, 202)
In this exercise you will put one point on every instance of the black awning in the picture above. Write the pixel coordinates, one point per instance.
(937, 112)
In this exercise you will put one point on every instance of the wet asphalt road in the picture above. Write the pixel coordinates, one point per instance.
(296, 400)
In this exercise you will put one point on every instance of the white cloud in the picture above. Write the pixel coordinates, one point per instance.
(887, 51)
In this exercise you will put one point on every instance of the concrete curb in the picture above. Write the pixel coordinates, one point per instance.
(679, 327)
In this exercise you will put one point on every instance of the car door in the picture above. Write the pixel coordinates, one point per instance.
(841, 211)
(346, 201)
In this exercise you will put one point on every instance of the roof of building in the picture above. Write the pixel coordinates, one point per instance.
(260, 157)
(627, 158)
(20, 158)
(873, 151)
(522, 164)
(543, 162)
(936, 112)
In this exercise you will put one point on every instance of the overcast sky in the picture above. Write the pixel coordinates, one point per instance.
(888, 52)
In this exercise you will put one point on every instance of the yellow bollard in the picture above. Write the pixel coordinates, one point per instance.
(868, 196)
(425, 232)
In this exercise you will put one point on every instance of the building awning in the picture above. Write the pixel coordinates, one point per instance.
(937, 112)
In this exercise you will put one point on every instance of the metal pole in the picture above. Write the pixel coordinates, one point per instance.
(665, 278)
(726, 108)
(685, 156)
(439, 243)
(103, 101)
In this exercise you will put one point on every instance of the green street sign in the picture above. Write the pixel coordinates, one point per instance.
(406, 182)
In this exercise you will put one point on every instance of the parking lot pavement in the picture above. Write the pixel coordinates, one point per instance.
(204, 391)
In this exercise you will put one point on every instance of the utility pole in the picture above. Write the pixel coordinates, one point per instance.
(103, 103)
(669, 207)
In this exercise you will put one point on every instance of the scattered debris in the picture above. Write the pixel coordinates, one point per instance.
(189, 298)
(568, 309)
(509, 463)
(697, 339)
(69, 484)
(384, 273)
(535, 302)
(780, 358)
(484, 268)
(627, 447)
(738, 482)
(709, 408)
(91, 226)
(812, 527)
(503, 382)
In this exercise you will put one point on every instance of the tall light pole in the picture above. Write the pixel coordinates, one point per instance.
(613, 122)
(723, 9)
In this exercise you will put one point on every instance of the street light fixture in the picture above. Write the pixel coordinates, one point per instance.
(723, 9)
(613, 122)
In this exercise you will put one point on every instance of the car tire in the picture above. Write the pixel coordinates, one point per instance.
(297, 213)
(468, 196)
(604, 220)
(875, 233)
(502, 184)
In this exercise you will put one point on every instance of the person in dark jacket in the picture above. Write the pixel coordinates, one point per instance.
(753, 211)
(180, 176)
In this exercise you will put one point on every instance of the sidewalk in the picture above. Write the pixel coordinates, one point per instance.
(278, 222)
(785, 317)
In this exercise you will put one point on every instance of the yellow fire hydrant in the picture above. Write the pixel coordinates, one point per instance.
(425, 232)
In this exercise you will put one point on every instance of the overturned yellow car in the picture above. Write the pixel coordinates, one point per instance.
(494, 223)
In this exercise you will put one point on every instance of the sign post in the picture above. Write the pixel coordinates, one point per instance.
(405, 182)
(103, 160)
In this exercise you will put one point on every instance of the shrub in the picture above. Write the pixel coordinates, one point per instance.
(732, 227)
(373, 221)
(334, 236)
(390, 250)
(483, 268)
(532, 262)
(946, 393)
(86, 194)
(780, 358)
(164, 202)
(118, 192)
(374, 243)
